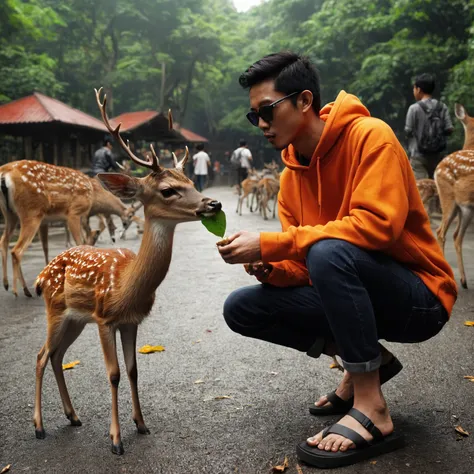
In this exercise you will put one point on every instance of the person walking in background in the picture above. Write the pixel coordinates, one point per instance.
(241, 160)
(103, 160)
(201, 162)
(427, 125)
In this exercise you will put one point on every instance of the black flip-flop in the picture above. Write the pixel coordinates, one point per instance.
(364, 449)
(339, 406)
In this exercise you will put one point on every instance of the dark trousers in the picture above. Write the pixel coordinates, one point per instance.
(201, 181)
(357, 297)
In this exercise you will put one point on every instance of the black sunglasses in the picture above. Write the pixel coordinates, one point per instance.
(266, 111)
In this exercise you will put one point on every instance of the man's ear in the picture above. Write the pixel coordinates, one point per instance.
(121, 185)
(306, 100)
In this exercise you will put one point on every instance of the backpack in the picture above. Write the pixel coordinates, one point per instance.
(235, 159)
(432, 138)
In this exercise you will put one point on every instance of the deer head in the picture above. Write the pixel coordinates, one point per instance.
(468, 124)
(167, 194)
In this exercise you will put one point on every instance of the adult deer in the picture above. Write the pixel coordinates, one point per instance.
(32, 193)
(454, 178)
(268, 188)
(115, 288)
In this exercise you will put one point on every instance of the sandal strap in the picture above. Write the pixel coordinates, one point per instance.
(337, 402)
(367, 423)
(348, 433)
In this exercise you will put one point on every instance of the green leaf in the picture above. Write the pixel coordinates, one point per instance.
(215, 224)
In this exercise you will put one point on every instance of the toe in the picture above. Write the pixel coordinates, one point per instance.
(315, 440)
(337, 444)
(346, 444)
(322, 401)
(330, 441)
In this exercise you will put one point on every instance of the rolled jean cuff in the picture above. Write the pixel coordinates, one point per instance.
(317, 348)
(362, 367)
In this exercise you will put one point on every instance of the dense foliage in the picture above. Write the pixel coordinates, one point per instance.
(188, 54)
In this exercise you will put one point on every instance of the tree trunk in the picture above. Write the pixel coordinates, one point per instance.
(188, 90)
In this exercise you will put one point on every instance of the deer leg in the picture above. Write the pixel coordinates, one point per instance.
(74, 223)
(28, 230)
(43, 232)
(107, 339)
(41, 362)
(465, 216)
(11, 221)
(111, 227)
(275, 199)
(70, 332)
(128, 334)
(449, 209)
(54, 336)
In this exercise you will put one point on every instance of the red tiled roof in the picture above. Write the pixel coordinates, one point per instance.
(132, 120)
(39, 108)
(191, 136)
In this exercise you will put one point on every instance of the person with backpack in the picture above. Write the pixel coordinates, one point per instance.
(427, 126)
(241, 162)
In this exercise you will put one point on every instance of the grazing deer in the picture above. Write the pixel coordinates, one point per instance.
(115, 288)
(454, 178)
(33, 192)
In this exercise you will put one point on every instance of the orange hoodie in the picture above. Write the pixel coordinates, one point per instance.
(358, 187)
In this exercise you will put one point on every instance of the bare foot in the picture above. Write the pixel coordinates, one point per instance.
(345, 390)
(333, 442)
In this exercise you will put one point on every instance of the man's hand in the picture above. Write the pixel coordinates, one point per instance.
(243, 247)
(259, 270)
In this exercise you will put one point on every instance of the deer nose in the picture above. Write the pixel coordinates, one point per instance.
(214, 205)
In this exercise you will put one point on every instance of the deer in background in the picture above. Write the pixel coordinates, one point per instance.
(268, 188)
(249, 187)
(454, 178)
(429, 195)
(115, 288)
(32, 193)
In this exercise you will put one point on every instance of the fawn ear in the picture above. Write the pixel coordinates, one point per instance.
(121, 185)
(459, 111)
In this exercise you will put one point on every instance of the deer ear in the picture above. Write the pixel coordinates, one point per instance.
(459, 111)
(121, 185)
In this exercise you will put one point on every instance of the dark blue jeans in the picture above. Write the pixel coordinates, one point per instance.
(201, 180)
(357, 297)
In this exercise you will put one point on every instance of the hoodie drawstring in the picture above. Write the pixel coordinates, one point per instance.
(320, 193)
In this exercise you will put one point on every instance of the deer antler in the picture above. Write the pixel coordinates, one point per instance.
(152, 164)
(179, 165)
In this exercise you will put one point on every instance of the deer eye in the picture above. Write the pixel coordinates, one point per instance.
(168, 192)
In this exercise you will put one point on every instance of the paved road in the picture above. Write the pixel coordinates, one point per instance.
(270, 387)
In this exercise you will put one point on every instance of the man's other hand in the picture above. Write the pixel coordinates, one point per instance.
(259, 270)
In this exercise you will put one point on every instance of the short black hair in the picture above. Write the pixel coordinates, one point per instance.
(200, 146)
(242, 142)
(291, 72)
(426, 82)
(108, 139)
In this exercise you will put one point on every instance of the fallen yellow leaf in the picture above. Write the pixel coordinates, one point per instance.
(468, 323)
(147, 349)
(281, 468)
(334, 366)
(199, 381)
(373, 462)
(459, 429)
(6, 468)
(71, 365)
(222, 397)
(469, 377)
(298, 469)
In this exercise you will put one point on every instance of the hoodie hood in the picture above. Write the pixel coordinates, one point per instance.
(338, 115)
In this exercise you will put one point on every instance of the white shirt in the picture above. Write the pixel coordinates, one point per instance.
(201, 161)
(244, 154)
